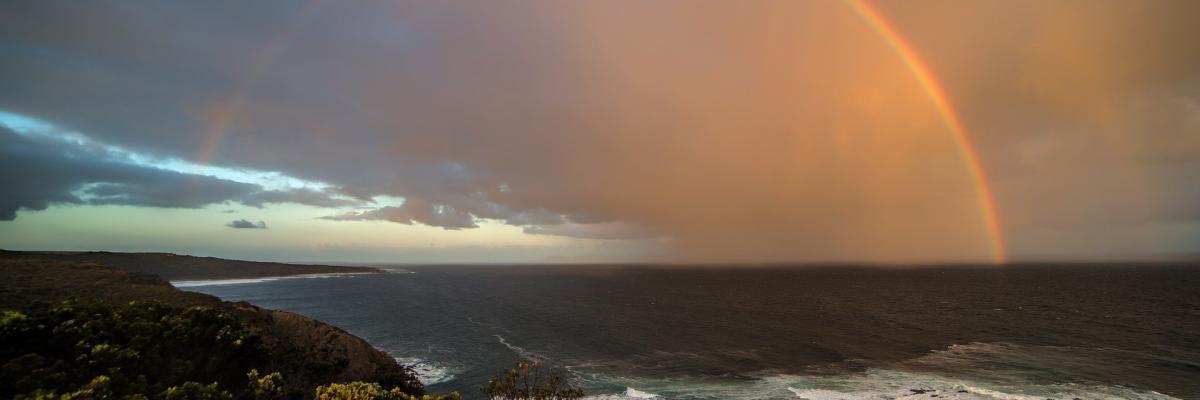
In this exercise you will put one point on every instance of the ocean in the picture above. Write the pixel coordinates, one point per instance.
(1055, 331)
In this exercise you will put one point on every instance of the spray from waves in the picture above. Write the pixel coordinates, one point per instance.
(526, 354)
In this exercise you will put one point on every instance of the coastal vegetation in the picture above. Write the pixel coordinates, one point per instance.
(148, 350)
(526, 381)
(76, 330)
(372, 391)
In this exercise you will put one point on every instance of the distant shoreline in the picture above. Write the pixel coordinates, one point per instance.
(213, 282)
(175, 267)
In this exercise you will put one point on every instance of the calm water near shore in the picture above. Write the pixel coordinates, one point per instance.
(1034, 331)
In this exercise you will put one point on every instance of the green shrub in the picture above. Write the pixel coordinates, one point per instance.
(142, 348)
(529, 382)
(196, 391)
(264, 387)
(150, 350)
(371, 391)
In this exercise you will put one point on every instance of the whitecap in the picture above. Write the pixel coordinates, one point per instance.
(630, 394)
(888, 384)
(638, 394)
(427, 372)
(874, 384)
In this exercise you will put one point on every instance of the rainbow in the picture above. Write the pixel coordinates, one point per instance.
(230, 109)
(970, 157)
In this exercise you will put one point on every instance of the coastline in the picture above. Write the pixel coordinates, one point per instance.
(307, 352)
(178, 267)
(181, 284)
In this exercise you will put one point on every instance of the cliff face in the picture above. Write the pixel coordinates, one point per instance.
(306, 352)
(310, 353)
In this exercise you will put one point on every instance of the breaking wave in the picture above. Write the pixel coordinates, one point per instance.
(427, 372)
(997, 371)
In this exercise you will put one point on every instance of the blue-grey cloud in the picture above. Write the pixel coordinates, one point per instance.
(312, 197)
(244, 224)
(414, 210)
(36, 172)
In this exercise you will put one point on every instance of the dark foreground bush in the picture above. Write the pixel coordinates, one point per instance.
(530, 382)
(139, 349)
(146, 350)
(142, 350)
(371, 391)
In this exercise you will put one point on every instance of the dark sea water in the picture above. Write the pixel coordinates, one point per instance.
(1015, 332)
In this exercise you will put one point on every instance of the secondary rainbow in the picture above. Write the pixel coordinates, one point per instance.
(227, 112)
(969, 157)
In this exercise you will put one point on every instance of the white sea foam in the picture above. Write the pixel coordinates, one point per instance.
(893, 384)
(889, 384)
(883, 384)
(528, 355)
(875, 384)
(630, 394)
(638, 394)
(218, 282)
(428, 373)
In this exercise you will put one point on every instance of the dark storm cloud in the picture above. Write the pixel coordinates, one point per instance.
(414, 211)
(36, 172)
(318, 198)
(745, 130)
(244, 224)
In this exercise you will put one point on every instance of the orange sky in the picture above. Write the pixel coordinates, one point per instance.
(760, 131)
